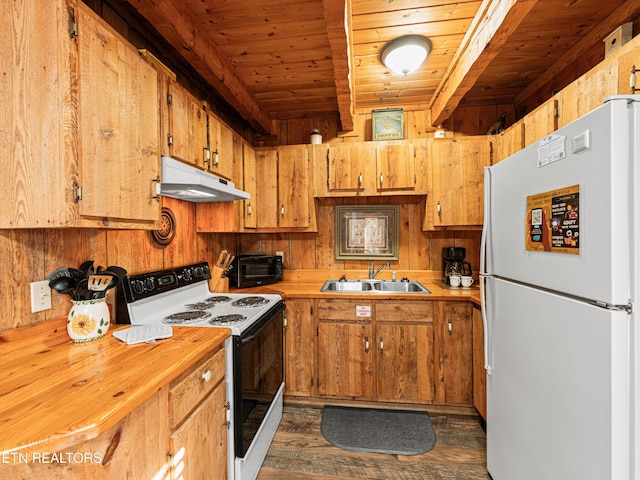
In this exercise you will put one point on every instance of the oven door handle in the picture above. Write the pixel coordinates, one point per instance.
(251, 338)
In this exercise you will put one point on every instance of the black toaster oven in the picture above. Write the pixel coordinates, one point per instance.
(254, 269)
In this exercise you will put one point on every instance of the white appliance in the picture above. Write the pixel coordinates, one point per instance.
(559, 286)
(180, 297)
(186, 182)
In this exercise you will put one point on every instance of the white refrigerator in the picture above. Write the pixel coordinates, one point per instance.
(559, 281)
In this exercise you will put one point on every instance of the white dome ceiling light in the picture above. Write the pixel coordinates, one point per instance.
(404, 55)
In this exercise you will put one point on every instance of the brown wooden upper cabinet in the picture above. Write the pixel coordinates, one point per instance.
(194, 134)
(345, 169)
(457, 181)
(84, 150)
(395, 167)
(250, 183)
(281, 190)
(221, 148)
(187, 129)
(238, 215)
(372, 168)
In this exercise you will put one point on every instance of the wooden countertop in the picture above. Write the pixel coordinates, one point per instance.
(307, 284)
(55, 394)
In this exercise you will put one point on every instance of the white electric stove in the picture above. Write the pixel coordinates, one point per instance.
(180, 297)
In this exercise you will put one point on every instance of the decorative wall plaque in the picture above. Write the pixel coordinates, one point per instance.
(367, 232)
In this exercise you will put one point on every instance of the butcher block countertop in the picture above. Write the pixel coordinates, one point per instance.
(55, 394)
(307, 284)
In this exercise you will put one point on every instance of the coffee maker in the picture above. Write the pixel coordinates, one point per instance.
(453, 263)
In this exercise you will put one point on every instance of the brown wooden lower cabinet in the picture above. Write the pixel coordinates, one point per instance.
(177, 433)
(454, 339)
(404, 351)
(198, 443)
(404, 372)
(345, 360)
(299, 333)
(388, 350)
(479, 373)
(199, 446)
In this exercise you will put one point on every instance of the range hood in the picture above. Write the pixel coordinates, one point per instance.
(186, 182)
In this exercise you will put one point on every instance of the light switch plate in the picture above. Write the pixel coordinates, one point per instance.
(40, 296)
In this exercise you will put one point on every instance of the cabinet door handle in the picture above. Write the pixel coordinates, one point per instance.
(282, 209)
(439, 209)
(249, 209)
(206, 376)
(206, 153)
(366, 344)
(381, 179)
(450, 327)
(360, 180)
(156, 188)
(381, 345)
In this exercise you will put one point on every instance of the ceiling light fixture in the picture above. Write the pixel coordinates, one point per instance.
(405, 54)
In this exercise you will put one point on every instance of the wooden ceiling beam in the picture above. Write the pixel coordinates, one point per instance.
(177, 26)
(495, 21)
(338, 18)
(625, 13)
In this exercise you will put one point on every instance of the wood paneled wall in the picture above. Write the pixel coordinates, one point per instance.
(465, 121)
(30, 255)
(418, 250)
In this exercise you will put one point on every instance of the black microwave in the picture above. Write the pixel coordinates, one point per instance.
(254, 269)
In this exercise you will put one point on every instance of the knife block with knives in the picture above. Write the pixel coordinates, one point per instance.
(219, 281)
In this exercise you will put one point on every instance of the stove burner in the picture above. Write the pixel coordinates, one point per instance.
(250, 302)
(217, 299)
(183, 318)
(230, 319)
(208, 303)
(198, 306)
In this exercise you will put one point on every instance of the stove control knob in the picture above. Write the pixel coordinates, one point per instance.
(149, 284)
(186, 274)
(138, 286)
(198, 272)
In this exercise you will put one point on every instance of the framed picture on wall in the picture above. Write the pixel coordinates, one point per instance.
(367, 232)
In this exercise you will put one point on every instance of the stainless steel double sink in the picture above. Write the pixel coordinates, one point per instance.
(374, 286)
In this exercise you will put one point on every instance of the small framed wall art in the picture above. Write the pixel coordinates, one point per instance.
(387, 124)
(367, 232)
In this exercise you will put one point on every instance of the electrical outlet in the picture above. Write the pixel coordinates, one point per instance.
(280, 254)
(40, 296)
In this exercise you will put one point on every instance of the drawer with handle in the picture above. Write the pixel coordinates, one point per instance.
(186, 393)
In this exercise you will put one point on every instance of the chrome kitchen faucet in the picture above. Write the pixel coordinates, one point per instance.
(373, 273)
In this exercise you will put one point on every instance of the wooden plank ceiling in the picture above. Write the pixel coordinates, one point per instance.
(280, 59)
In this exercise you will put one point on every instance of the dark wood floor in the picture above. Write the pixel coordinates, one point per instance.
(300, 452)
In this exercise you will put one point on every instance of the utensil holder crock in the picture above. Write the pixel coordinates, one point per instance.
(88, 320)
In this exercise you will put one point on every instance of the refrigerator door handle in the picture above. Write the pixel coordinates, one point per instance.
(485, 326)
(487, 220)
(483, 267)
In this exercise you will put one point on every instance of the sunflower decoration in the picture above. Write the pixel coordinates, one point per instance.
(82, 324)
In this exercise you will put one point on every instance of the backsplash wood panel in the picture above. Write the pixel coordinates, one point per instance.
(418, 250)
(30, 255)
